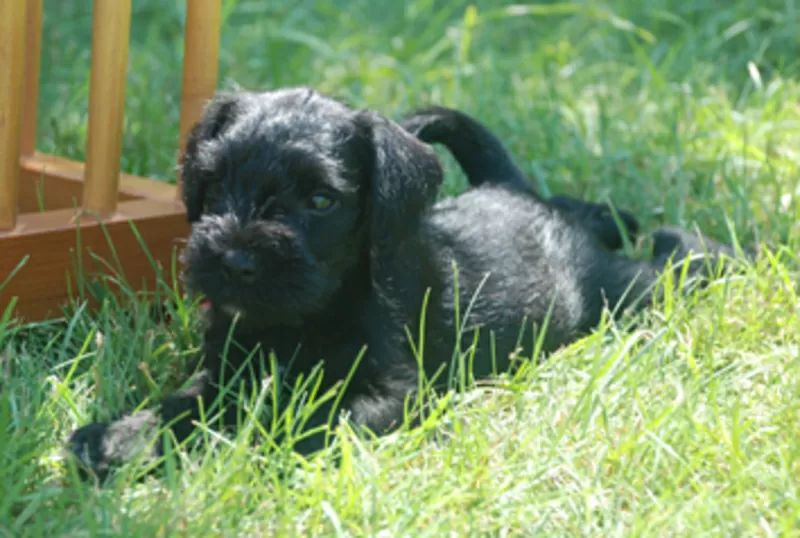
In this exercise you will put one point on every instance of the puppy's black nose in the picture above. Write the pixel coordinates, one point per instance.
(238, 264)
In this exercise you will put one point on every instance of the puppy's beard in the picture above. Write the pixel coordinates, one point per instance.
(231, 310)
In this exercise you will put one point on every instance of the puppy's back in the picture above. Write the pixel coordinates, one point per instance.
(514, 257)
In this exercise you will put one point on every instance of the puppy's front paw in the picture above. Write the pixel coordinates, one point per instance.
(86, 444)
(101, 447)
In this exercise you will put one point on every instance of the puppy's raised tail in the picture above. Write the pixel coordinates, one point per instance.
(486, 161)
(481, 155)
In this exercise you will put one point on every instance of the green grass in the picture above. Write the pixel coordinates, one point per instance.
(684, 425)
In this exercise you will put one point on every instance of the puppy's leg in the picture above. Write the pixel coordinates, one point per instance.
(102, 446)
(486, 161)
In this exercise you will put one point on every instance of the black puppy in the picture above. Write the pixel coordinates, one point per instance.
(315, 236)
(485, 160)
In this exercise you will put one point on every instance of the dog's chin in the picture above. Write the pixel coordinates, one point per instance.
(227, 309)
(244, 311)
(256, 316)
(287, 302)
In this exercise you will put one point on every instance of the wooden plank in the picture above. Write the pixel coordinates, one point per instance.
(111, 23)
(12, 58)
(200, 64)
(59, 182)
(33, 56)
(50, 240)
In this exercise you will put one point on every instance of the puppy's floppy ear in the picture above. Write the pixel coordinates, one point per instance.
(218, 115)
(405, 177)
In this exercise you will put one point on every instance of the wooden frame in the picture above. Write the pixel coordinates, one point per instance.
(58, 215)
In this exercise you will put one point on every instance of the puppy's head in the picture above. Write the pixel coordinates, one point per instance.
(293, 199)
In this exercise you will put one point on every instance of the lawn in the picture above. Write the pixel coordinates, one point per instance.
(684, 424)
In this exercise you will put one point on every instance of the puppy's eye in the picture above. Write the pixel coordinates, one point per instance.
(322, 203)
